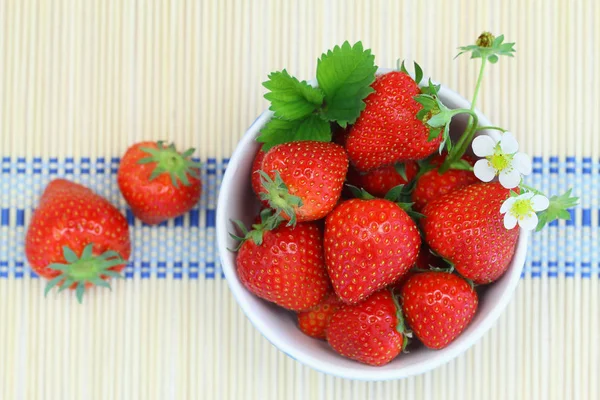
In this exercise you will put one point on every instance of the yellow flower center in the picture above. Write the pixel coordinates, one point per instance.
(521, 208)
(499, 160)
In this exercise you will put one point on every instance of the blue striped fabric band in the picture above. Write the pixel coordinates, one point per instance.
(185, 248)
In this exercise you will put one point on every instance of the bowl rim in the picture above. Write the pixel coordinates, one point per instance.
(365, 372)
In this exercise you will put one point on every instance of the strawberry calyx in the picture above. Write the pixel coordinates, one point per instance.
(279, 197)
(360, 193)
(399, 194)
(168, 160)
(87, 268)
(401, 326)
(268, 222)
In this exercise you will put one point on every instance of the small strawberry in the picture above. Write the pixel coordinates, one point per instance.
(380, 181)
(303, 181)
(438, 306)
(368, 245)
(388, 130)
(76, 238)
(256, 168)
(314, 322)
(283, 264)
(371, 332)
(431, 184)
(158, 182)
(466, 228)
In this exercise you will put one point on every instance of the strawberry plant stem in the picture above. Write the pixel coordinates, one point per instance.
(496, 128)
(463, 142)
(477, 87)
(534, 190)
(467, 136)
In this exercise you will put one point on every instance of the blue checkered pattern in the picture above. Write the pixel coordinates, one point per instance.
(185, 248)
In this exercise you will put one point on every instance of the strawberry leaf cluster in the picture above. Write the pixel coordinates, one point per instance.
(304, 112)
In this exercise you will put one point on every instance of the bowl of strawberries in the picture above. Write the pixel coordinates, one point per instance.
(367, 222)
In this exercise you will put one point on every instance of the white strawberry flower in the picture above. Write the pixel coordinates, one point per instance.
(501, 159)
(522, 209)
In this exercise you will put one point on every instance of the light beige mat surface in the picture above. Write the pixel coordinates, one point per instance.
(80, 80)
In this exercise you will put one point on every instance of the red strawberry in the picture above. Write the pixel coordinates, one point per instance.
(368, 245)
(256, 168)
(388, 131)
(284, 265)
(370, 332)
(314, 322)
(76, 238)
(379, 181)
(466, 228)
(303, 180)
(431, 185)
(438, 306)
(158, 182)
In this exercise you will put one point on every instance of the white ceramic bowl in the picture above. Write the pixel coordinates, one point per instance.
(237, 201)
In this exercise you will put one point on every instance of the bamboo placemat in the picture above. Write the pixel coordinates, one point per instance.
(80, 81)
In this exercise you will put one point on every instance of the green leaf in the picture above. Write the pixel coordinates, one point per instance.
(52, 284)
(69, 255)
(360, 193)
(401, 170)
(461, 165)
(422, 114)
(146, 160)
(434, 133)
(447, 139)
(58, 267)
(403, 68)
(418, 73)
(279, 131)
(439, 120)
(314, 128)
(110, 254)
(557, 209)
(66, 284)
(291, 99)
(345, 75)
(113, 274)
(80, 291)
(101, 282)
(431, 89)
(426, 100)
(409, 210)
(87, 252)
(397, 193)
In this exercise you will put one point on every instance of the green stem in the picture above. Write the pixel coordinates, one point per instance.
(534, 190)
(477, 87)
(463, 142)
(496, 128)
(467, 136)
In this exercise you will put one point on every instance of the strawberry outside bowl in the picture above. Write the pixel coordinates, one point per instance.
(279, 326)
